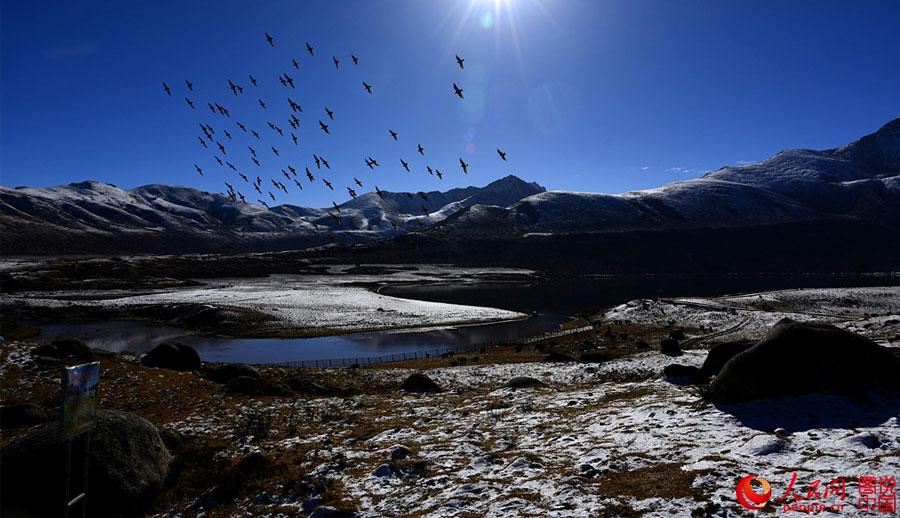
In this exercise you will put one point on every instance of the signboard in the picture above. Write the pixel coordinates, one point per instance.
(79, 405)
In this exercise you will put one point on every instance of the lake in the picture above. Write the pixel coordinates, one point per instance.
(551, 303)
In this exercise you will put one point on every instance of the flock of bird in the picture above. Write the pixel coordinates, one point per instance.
(209, 139)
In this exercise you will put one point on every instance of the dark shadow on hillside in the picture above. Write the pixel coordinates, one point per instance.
(800, 413)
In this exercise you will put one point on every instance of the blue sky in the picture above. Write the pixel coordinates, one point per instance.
(604, 96)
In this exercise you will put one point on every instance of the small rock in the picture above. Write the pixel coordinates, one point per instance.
(419, 383)
(172, 356)
(593, 357)
(669, 347)
(524, 382)
(383, 471)
(225, 373)
(399, 452)
(558, 357)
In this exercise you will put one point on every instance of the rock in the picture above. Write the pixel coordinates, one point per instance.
(682, 374)
(247, 386)
(593, 357)
(554, 356)
(304, 386)
(383, 471)
(64, 348)
(805, 358)
(16, 415)
(128, 465)
(641, 344)
(524, 382)
(677, 334)
(399, 452)
(224, 373)
(669, 347)
(419, 383)
(172, 356)
(719, 355)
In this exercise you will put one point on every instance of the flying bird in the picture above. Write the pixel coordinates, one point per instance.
(201, 140)
(292, 170)
(270, 39)
(298, 184)
(294, 106)
(189, 102)
(325, 162)
(190, 85)
(262, 103)
(324, 127)
(330, 113)
(167, 89)
(367, 86)
(337, 63)
(464, 165)
(253, 80)
(328, 184)
(289, 80)
(459, 61)
(294, 138)
(219, 160)
(359, 183)
(197, 167)
(439, 174)
(502, 155)
(230, 165)
(458, 91)
(266, 205)
(271, 195)
(275, 151)
(211, 107)
(379, 192)
(336, 218)
(405, 165)
(352, 193)
(243, 128)
(318, 161)
(309, 48)
(252, 151)
(421, 150)
(430, 171)
(233, 87)
(336, 206)
(243, 200)
(221, 147)
(310, 175)
(243, 177)
(296, 64)
(226, 133)
(393, 134)
(255, 161)
(255, 134)
(355, 59)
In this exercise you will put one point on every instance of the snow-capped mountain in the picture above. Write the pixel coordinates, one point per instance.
(94, 217)
(859, 181)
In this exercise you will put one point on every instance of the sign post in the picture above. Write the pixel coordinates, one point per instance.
(79, 406)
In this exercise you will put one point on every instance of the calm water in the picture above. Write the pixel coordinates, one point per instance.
(552, 301)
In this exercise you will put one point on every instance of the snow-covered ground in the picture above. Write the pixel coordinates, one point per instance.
(573, 448)
(875, 311)
(613, 439)
(340, 301)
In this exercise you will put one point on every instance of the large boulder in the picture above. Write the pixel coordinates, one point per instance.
(419, 383)
(805, 358)
(128, 465)
(172, 356)
(719, 355)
